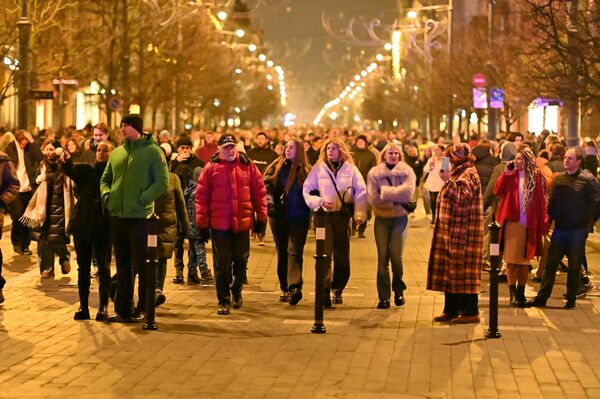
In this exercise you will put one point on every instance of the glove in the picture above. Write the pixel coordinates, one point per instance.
(259, 227)
(204, 235)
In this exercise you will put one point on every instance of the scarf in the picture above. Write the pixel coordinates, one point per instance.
(35, 214)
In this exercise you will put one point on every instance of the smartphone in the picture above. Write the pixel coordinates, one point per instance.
(445, 164)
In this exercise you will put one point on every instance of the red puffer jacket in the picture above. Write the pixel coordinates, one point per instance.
(229, 193)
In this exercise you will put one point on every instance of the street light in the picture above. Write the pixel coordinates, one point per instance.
(222, 15)
(262, 57)
(240, 33)
(252, 47)
(412, 14)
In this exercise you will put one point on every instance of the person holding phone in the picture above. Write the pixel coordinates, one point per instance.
(523, 217)
(457, 244)
(433, 182)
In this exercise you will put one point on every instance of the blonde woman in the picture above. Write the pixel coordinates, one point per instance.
(390, 184)
(334, 183)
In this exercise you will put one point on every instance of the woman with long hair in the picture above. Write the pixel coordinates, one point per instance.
(335, 185)
(457, 244)
(288, 216)
(433, 183)
(49, 210)
(90, 228)
(523, 216)
(390, 184)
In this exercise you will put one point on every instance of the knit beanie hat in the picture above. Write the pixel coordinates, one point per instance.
(135, 121)
(184, 140)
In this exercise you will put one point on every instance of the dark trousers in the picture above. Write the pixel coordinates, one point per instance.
(337, 246)
(572, 245)
(19, 234)
(290, 237)
(47, 251)
(2, 280)
(161, 274)
(130, 241)
(179, 251)
(231, 252)
(433, 202)
(85, 246)
(465, 304)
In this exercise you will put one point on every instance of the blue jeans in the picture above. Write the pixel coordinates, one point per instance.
(390, 236)
(572, 244)
(197, 256)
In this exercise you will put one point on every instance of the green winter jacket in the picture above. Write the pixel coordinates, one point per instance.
(135, 176)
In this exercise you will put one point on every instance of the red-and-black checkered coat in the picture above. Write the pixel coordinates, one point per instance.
(457, 245)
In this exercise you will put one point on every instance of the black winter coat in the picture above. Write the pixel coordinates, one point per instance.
(485, 164)
(365, 160)
(89, 215)
(292, 205)
(262, 157)
(54, 227)
(9, 185)
(184, 170)
(33, 156)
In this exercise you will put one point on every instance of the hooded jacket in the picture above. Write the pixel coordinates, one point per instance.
(388, 189)
(135, 176)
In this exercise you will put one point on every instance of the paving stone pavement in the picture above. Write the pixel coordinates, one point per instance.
(266, 349)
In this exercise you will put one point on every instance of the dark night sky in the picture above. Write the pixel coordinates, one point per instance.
(310, 78)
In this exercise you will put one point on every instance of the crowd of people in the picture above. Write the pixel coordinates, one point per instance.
(100, 187)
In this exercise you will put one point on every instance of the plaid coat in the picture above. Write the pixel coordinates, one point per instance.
(456, 250)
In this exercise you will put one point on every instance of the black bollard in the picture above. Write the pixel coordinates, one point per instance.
(320, 257)
(151, 264)
(494, 227)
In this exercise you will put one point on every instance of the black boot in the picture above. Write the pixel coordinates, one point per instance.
(82, 313)
(521, 296)
(102, 314)
(512, 288)
(178, 279)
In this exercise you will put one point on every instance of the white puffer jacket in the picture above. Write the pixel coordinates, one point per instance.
(349, 183)
(389, 189)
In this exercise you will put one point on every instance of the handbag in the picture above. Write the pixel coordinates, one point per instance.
(410, 206)
(347, 208)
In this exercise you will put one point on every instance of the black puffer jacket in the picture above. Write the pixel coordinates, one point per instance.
(574, 201)
(485, 164)
(89, 215)
(54, 228)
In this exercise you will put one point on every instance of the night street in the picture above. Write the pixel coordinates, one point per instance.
(266, 349)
